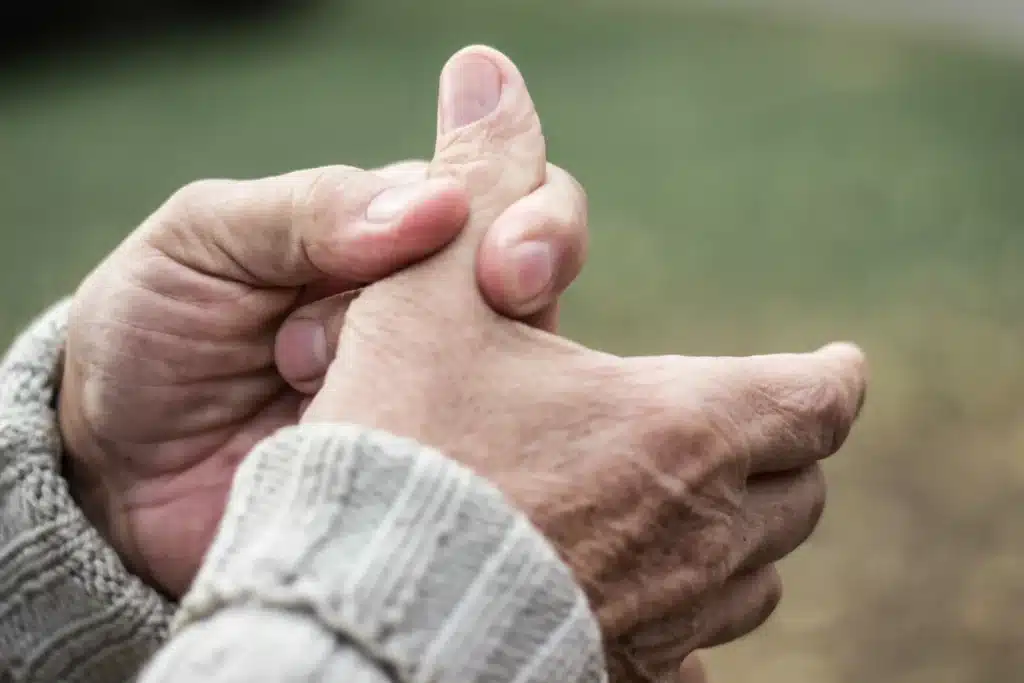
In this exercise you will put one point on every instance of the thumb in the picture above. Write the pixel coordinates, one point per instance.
(338, 223)
(489, 138)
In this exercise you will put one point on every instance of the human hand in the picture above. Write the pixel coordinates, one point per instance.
(177, 354)
(693, 671)
(554, 213)
(669, 484)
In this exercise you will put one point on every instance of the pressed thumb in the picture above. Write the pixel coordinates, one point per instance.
(338, 223)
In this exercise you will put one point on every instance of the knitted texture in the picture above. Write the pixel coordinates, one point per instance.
(344, 554)
(379, 550)
(69, 610)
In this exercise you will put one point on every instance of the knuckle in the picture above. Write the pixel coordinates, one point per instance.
(198, 192)
(310, 202)
(195, 201)
(666, 412)
(191, 213)
(317, 200)
(700, 432)
(574, 191)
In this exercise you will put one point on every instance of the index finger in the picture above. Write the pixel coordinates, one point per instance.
(553, 215)
(788, 410)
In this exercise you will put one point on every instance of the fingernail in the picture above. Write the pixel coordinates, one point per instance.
(470, 90)
(305, 347)
(393, 202)
(533, 267)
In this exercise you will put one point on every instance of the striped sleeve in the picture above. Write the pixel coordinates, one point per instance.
(347, 554)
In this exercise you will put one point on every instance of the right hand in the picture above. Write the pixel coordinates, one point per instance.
(657, 479)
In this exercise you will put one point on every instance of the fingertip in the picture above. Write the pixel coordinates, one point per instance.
(854, 364)
(511, 260)
(308, 339)
(435, 220)
(376, 247)
(301, 351)
(518, 278)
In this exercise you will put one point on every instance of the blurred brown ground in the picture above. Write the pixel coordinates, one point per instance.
(756, 185)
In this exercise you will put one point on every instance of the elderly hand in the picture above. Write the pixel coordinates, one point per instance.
(178, 357)
(669, 484)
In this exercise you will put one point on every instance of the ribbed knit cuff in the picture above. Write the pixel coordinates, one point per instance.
(411, 557)
(69, 610)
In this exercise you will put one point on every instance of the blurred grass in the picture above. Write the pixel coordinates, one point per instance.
(755, 186)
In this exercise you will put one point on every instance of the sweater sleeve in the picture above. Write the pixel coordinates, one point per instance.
(69, 610)
(344, 555)
(352, 555)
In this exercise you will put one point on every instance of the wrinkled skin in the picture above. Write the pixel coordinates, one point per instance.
(183, 342)
(669, 484)
(191, 342)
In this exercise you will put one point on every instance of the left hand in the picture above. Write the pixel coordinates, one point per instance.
(170, 372)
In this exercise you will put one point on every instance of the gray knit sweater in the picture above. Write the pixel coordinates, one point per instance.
(345, 555)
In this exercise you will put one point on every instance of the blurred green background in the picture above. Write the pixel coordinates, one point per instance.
(756, 184)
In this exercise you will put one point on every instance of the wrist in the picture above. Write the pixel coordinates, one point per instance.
(394, 546)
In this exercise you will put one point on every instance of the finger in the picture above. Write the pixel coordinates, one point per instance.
(399, 173)
(408, 171)
(624, 669)
(307, 341)
(786, 411)
(780, 512)
(693, 671)
(536, 248)
(489, 137)
(745, 603)
(741, 605)
(555, 213)
(336, 223)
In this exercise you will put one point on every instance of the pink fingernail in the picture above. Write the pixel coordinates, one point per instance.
(532, 270)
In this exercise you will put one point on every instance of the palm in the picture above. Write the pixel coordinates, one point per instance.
(197, 353)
